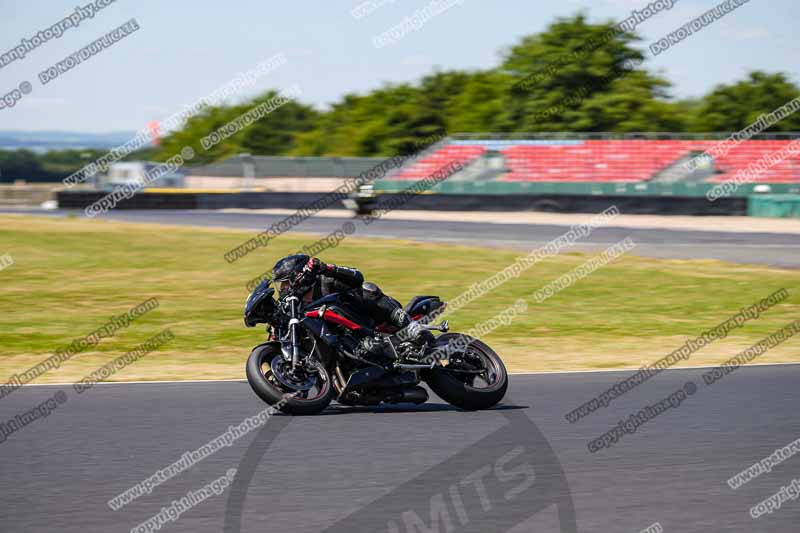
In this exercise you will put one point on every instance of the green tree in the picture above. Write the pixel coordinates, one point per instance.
(19, 165)
(577, 76)
(276, 133)
(480, 104)
(734, 107)
(273, 134)
(387, 121)
(50, 167)
(633, 102)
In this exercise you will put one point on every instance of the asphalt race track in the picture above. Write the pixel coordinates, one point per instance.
(781, 250)
(519, 467)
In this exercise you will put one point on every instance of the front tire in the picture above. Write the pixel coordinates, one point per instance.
(461, 390)
(268, 388)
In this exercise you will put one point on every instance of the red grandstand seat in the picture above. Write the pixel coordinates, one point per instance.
(628, 160)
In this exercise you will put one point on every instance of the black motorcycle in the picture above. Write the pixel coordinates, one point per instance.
(324, 350)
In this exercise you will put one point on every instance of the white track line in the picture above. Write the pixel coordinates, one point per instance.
(720, 224)
(539, 373)
(587, 244)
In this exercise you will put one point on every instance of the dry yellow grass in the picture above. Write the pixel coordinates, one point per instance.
(71, 275)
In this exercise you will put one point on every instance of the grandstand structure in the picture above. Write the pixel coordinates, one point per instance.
(598, 158)
(579, 173)
(278, 173)
(603, 158)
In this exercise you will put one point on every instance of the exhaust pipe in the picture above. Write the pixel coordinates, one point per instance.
(416, 395)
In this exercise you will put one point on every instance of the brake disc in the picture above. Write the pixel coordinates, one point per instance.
(282, 372)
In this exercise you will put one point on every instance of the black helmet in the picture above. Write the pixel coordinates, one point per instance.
(288, 274)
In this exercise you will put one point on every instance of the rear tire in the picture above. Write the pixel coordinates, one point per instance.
(273, 394)
(461, 394)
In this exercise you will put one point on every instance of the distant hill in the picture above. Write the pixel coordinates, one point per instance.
(45, 141)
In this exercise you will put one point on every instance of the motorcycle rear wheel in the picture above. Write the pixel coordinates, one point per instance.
(460, 389)
(270, 389)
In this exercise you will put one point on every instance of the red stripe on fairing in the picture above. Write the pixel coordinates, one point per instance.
(386, 328)
(336, 318)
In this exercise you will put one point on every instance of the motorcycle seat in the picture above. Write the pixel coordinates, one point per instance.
(414, 301)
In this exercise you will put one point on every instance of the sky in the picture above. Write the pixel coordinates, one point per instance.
(186, 49)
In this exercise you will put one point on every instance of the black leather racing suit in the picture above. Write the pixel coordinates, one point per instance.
(368, 296)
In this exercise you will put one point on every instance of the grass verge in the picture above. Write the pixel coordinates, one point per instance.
(71, 275)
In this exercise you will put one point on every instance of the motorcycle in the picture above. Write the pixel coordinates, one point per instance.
(319, 351)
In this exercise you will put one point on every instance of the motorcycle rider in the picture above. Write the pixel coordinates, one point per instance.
(310, 279)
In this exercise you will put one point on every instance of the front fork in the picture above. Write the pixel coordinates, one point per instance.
(294, 322)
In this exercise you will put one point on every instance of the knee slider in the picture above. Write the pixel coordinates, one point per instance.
(400, 318)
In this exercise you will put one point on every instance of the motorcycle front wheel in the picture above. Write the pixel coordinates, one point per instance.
(472, 379)
(270, 377)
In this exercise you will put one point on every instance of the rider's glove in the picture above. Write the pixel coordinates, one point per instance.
(413, 330)
(315, 266)
(416, 334)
